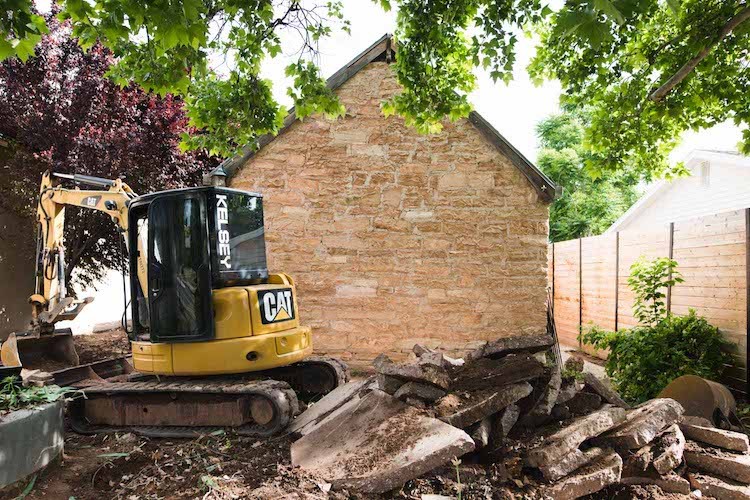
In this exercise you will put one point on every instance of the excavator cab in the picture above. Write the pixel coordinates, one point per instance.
(194, 241)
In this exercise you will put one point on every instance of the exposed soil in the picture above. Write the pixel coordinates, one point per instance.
(90, 347)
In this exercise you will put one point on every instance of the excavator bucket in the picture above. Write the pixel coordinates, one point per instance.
(49, 352)
(10, 362)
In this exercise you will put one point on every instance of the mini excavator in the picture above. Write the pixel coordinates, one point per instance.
(216, 340)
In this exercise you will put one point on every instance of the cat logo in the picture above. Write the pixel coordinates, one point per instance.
(276, 305)
(91, 201)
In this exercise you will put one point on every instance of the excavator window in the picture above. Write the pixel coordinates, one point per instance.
(179, 278)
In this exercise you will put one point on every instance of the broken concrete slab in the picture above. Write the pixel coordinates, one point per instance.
(668, 450)
(503, 422)
(669, 482)
(378, 445)
(481, 433)
(571, 462)
(461, 409)
(643, 424)
(693, 420)
(568, 389)
(484, 373)
(720, 488)
(593, 384)
(509, 345)
(571, 436)
(588, 480)
(729, 440)
(583, 403)
(418, 373)
(715, 461)
(426, 392)
(544, 404)
(388, 384)
(339, 400)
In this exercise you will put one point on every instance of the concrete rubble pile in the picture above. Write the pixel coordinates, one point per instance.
(567, 432)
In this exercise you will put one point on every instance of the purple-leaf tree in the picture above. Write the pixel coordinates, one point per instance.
(59, 112)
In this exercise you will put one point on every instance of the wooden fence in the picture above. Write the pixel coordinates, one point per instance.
(589, 280)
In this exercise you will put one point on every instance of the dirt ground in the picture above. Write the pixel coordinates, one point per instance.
(130, 467)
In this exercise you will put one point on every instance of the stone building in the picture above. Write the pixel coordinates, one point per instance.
(394, 237)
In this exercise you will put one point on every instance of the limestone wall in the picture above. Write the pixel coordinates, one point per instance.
(394, 237)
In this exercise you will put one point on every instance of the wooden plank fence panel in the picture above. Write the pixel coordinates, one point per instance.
(567, 291)
(590, 280)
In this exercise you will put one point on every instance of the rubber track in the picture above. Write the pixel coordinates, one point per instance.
(280, 394)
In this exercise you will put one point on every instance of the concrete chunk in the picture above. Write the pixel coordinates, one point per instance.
(503, 422)
(719, 462)
(571, 462)
(583, 403)
(588, 480)
(328, 405)
(568, 389)
(485, 373)
(729, 440)
(544, 404)
(465, 408)
(378, 445)
(669, 482)
(720, 488)
(608, 394)
(644, 423)
(567, 439)
(425, 392)
(669, 449)
(511, 345)
(481, 432)
(429, 374)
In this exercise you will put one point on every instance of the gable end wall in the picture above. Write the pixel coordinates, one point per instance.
(395, 238)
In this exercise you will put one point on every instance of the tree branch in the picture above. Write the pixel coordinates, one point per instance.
(660, 93)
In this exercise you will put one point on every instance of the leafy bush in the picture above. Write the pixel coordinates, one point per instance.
(644, 359)
(649, 280)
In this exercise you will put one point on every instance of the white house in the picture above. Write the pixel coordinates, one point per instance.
(719, 181)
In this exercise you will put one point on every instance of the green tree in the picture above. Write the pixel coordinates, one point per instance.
(648, 69)
(587, 206)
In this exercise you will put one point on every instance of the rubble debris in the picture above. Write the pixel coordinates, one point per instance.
(593, 384)
(592, 478)
(568, 389)
(720, 488)
(715, 461)
(543, 406)
(484, 373)
(499, 348)
(333, 403)
(580, 404)
(643, 424)
(502, 423)
(571, 436)
(669, 482)
(425, 392)
(465, 408)
(378, 445)
(729, 440)
(481, 432)
(388, 384)
(575, 363)
(429, 374)
(693, 420)
(669, 449)
(571, 462)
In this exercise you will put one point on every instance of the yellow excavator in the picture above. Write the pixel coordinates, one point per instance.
(216, 339)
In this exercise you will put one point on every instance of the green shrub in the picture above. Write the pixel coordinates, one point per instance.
(643, 360)
(649, 280)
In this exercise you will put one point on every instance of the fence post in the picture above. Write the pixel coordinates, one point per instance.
(671, 255)
(617, 279)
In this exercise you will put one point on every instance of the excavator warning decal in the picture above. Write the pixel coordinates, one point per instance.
(276, 305)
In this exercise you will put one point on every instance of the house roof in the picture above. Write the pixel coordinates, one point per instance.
(385, 49)
(691, 160)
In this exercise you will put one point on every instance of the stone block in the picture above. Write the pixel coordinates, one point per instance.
(669, 482)
(503, 422)
(644, 423)
(714, 461)
(425, 392)
(485, 372)
(510, 345)
(588, 480)
(570, 437)
(729, 440)
(720, 488)
(330, 405)
(593, 384)
(465, 408)
(428, 374)
(481, 432)
(668, 450)
(571, 462)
